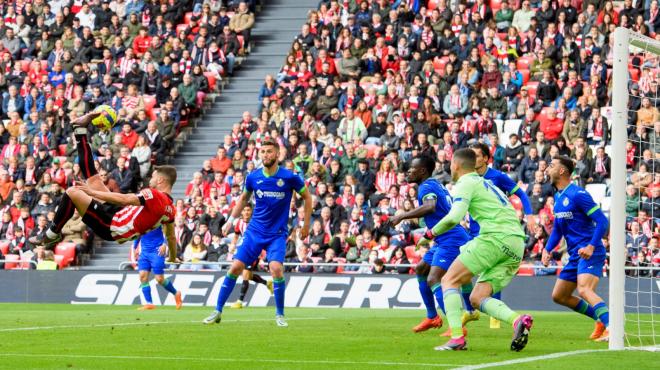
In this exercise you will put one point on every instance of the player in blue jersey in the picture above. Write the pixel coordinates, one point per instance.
(153, 250)
(508, 187)
(435, 202)
(582, 224)
(273, 187)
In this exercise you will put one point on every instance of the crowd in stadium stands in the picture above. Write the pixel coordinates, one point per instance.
(153, 61)
(366, 86)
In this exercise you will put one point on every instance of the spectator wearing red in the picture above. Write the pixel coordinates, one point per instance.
(324, 58)
(221, 163)
(551, 125)
(128, 136)
(141, 42)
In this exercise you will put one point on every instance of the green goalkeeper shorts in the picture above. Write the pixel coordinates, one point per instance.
(493, 259)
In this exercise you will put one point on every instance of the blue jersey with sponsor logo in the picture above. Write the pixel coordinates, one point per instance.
(272, 196)
(573, 206)
(433, 189)
(502, 181)
(151, 241)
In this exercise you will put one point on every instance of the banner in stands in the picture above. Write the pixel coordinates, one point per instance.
(303, 290)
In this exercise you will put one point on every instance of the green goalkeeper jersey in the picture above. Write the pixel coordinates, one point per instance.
(487, 205)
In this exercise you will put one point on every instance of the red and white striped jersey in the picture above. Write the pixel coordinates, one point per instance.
(132, 221)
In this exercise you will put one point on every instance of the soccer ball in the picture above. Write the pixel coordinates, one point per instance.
(107, 119)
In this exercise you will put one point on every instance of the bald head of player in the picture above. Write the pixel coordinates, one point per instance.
(163, 178)
(560, 170)
(421, 168)
(463, 162)
(270, 152)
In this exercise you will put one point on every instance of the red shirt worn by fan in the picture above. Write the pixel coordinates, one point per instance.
(132, 221)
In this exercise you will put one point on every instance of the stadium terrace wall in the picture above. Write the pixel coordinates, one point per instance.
(303, 290)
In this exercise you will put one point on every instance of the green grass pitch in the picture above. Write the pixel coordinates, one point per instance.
(119, 337)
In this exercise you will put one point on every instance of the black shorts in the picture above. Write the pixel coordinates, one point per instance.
(99, 218)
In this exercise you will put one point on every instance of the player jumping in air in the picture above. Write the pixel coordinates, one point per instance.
(113, 216)
(494, 255)
(273, 188)
(509, 188)
(436, 202)
(581, 222)
(248, 273)
(152, 259)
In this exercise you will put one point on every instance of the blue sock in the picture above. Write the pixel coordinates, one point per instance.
(278, 292)
(225, 290)
(585, 308)
(466, 290)
(603, 313)
(498, 295)
(437, 292)
(146, 292)
(167, 284)
(427, 297)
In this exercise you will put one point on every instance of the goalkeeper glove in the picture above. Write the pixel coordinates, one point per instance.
(426, 239)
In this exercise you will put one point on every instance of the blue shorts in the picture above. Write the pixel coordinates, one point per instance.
(441, 256)
(254, 243)
(578, 266)
(151, 262)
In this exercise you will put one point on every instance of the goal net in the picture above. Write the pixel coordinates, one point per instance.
(634, 188)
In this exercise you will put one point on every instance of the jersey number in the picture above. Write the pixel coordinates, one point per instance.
(498, 193)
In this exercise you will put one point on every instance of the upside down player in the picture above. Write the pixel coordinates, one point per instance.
(509, 188)
(248, 273)
(152, 259)
(494, 255)
(436, 202)
(582, 224)
(113, 216)
(273, 188)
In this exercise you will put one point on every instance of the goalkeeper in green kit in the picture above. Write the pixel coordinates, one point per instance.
(494, 256)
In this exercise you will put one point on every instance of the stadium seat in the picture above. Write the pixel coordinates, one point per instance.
(531, 88)
(181, 27)
(149, 103)
(524, 62)
(25, 65)
(526, 271)
(525, 75)
(634, 74)
(432, 4)
(410, 252)
(606, 204)
(212, 81)
(597, 191)
(499, 125)
(495, 5)
(61, 149)
(11, 261)
(340, 264)
(4, 247)
(511, 126)
(186, 18)
(59, 259)
(66, 250)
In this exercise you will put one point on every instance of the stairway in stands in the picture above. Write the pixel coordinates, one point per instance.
(278, 22)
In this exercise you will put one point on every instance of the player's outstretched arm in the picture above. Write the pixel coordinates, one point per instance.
(171, 242)
(455, 215)
(427, 208)
(110, 197)
(86, 119)
(236, 211)
(307, 198)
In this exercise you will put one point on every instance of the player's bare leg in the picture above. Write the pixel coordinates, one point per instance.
(562, 294)
(228, 284)
(146, 290)
(277, 272)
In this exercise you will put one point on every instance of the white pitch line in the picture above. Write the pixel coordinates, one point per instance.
(530, 359)
(211, 359)
(91, 326)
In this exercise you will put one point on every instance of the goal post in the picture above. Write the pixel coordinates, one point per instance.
(619, 136)
(634, 289)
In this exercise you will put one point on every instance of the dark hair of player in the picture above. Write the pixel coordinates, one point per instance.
(169, 172)
(466, 157)
(427, 163)
(271, 142)
(566, 162)
(485, 151)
